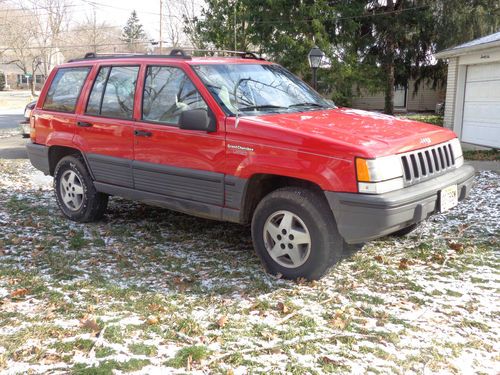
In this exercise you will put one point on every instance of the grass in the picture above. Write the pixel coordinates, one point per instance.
(194, 353)
(428, 118)
(491, 155)
(157, 296)
(108, 366)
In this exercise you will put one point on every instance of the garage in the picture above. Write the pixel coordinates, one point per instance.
(472, 107)
(481, 118)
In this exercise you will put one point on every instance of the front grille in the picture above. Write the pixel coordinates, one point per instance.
(427, 162)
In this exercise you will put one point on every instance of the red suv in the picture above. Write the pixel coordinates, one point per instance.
(243, 140)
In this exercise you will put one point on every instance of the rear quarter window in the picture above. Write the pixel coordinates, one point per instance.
(65, 89)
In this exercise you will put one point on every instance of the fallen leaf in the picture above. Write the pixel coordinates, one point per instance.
(458, 247)
(222, 321)
(329, 361)
(403, 264)
(19, 292)
(229, 371)
(90, 324)
(379, 258)
(282, 308)
(152, 320)
(438, 258)
(338, 323)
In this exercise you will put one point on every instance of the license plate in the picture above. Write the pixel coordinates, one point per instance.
(448, 198)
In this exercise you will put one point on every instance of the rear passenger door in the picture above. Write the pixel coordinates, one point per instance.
(105, 129)
(185, 165)
(56, 122)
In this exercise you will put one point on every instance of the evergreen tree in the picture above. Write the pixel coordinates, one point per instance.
(375, 44)
(133, 34)
(2, 81)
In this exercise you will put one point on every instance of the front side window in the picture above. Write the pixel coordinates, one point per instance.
(168, 92)
(65, 89)
(113, 92)
(254, 89)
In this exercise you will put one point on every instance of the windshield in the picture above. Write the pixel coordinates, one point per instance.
(253, 89)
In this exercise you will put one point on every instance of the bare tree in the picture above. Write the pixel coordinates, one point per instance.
(179, 20)
(20, 47)
(92, 36)
(51, 20)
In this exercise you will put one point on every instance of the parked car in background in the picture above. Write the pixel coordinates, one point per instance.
(24, 125)
(243, 140)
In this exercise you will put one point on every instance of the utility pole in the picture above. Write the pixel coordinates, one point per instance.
(234, 21)
(161, 27)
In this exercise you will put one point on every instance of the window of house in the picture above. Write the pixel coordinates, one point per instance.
(167, 93)
(65, 88)
(113, 92)
(39, 78)
(22, 79)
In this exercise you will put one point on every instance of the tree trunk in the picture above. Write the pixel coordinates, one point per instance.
(389, 86)
(389, 65)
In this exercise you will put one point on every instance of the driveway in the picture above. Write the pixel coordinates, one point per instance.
(13, 147)
(10, 118)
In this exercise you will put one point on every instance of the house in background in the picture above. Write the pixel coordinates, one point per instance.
(473, 91)
(406, 99)
(16, 79)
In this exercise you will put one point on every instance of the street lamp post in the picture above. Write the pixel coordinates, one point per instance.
(315, 58)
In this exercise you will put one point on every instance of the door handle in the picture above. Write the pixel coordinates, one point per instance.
(84, 124)
(142, 133)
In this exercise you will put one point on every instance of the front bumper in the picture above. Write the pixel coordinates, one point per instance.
(364, 217)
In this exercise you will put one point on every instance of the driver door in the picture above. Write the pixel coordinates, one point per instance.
(185, 165)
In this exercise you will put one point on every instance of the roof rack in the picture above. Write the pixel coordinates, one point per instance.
(174, 53)
(240, 54)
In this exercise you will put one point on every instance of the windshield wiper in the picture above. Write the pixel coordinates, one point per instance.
(259, 107)
(306, 104)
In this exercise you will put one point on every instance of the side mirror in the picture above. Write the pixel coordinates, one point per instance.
(197, 119)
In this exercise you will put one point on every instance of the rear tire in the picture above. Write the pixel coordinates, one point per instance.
(75, 192)
(295, 234)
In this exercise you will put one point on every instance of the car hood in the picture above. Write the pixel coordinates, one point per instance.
(373, 133)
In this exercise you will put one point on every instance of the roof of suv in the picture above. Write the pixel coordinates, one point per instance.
(193, 61)
(174, 56)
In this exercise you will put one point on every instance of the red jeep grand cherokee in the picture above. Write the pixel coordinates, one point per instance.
(243, 140)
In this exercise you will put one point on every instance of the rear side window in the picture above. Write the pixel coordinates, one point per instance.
(94, 103)
(65, 89)
(113, 92)
(168, 92)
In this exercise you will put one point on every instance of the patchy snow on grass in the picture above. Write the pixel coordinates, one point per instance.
(152, 291)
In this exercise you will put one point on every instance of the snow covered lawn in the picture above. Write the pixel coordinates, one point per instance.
(152, 291)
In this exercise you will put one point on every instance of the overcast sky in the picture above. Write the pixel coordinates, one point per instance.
(116, 12)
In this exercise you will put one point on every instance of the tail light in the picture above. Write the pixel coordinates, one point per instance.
(32, 128)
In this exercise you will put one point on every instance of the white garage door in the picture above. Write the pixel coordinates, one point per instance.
(481, 120)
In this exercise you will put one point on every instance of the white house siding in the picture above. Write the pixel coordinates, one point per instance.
(451, 91)
(369, 101)
(425, 99)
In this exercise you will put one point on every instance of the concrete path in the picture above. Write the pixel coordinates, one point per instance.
(13, 147)
(485, 165)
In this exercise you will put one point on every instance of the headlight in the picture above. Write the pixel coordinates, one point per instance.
(381, 175)
(27, 113)
(457, 152)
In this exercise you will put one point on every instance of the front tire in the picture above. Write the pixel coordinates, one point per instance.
(75, 192)
(295, 234)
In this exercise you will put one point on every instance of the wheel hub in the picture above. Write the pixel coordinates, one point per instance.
(71, 189)
(287, 239)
